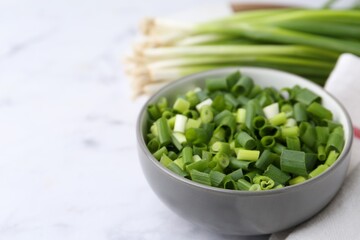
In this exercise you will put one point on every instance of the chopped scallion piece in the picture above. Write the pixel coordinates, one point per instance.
(297, 180)
(249, 155)
(333, 155)
(243, 185)
(240, 115)
(293, 162)
(181, 105)
(200, 177)
(319, 111)
(245, 140)
(271, 110)
(206, 102)
(180, 123)
(318, 170)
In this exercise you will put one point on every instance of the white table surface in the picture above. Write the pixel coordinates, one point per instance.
(68, 160)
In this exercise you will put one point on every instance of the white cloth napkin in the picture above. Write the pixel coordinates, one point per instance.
(341, 218)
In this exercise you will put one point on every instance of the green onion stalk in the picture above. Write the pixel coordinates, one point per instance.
(306, 42)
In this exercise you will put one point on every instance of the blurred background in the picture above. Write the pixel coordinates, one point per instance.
(68, 162)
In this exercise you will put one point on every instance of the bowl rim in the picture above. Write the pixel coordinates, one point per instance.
(190, 183)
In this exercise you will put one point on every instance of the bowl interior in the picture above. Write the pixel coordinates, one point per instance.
(261, 76)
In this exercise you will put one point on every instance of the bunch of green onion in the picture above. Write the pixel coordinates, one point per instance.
(237, 135)
(304, 42)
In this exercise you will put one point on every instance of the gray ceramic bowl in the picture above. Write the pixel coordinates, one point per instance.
(241, 212)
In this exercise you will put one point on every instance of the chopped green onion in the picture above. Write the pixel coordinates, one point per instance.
(196, 158)
(317, 110)
(221, 147)
(310, 159)
(322, 134)
(206, 155)
(249, 155)
(297, 180)
(192, 114)
(206, 114)
(165, 160)
(250, 113)
(196, 135)
(222, 160)
(199, 148)
(167, 114)
(243, 86)
(243, 100)
(153, 145)
(271, 110)
(192, 123)
(207, 138)
(278, 148)
(176, 169)
(160, 152)
(318, 170)
(200, 177)
(278, 119)
(178, 139)
(276, 174)
(265, 159)
(215, 84)
(333, 155)
(293, 162)
(181, 105)
(171, 122)
(153, 111)
(229, 124)
(243, 184)
(256, 89)
(265, 182)
(187, 154)
(206, 102)
(306, 96)
(307, 134)
(200, 165)
(216, 178)
(192, 98)
(180, 123)
(258, 122)
(240, 115)
(237, 174)
(220, 116)
(321, 154)
(245, 140)
(335, 142)
(172, 155)
(229, 183)
(219, 103)
(293, 143)
(300, 114)
(250, 175)
(288, 110)
(290, 131)
(230, 101)
(290, 122)
(268, 141)
(233, 78)
(180, 163)
(163, 131)
(269, 130)
(236, 164)
(255, 187)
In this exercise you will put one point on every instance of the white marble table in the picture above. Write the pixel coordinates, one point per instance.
(68, 161)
